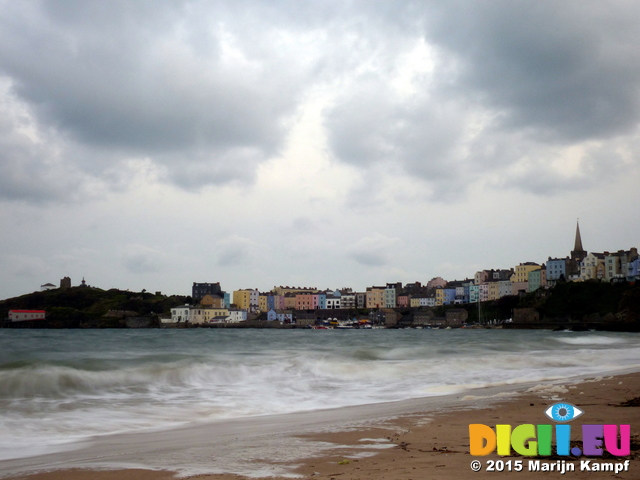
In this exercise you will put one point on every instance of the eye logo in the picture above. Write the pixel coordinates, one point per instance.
(563, 412)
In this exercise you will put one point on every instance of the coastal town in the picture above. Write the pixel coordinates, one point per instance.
(309, 305)
(390, 305)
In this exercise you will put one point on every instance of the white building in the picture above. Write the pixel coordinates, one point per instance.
(181, 314)
(348, 300)
(504, 288)
(237, 315)
(483, 291)
(26, 315)
(592, 267)
(429, 301)
(333, 302)
(285, 316)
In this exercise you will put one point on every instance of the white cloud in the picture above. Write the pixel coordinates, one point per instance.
(374, 251)
(142, 259)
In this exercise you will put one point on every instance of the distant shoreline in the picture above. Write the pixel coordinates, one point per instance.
(577, 306)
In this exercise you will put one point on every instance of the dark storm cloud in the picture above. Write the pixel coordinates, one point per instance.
(29, 168)
(511, 81)
(371, 124)
(567, 70)
(207, 91)
(171, 81)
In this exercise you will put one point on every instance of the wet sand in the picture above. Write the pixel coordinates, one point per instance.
(416, 439)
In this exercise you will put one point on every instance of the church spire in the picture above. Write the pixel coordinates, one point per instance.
(578, 245)
(578, 253)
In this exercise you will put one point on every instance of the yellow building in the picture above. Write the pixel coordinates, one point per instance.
(246, 299)
(521, 272)
(439, 296)
(262, 303)
(375, 297)
(494, 291)
(290, 301)
(212, 301)
(284, 290)
(206, 315)
(414, 302)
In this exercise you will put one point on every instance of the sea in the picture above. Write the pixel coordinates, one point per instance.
(59, 388)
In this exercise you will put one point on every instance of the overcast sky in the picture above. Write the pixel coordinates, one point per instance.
(151, 144)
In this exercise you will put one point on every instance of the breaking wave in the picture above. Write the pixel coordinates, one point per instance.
(62, 387)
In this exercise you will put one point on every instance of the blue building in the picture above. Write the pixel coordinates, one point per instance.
(557, 270)
(449, 296)
(271, 303)
(322, 300)
(474, 293)
(633, 270)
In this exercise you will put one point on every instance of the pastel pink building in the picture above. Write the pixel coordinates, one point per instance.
(437, 282)
(304, 301)
(403, 300)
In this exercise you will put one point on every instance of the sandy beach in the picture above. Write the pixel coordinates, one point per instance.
(424, 438)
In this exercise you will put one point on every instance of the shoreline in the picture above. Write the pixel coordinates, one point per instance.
(355, 442)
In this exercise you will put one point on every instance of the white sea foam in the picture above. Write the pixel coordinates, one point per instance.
(61, 387)
(592, 340)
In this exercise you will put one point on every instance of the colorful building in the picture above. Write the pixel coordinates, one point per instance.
(304, 301)
(200, 315)
(557, 270)
(237, 315)
(213, 300)
(391, 293)
(284, 290)
(403, 301)
(537, 279)
(319, 300)
(375, 297)
(247, 299)
(521, 272)
(592, 267)
(505, 288)
(493, 290)
(474, 293)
